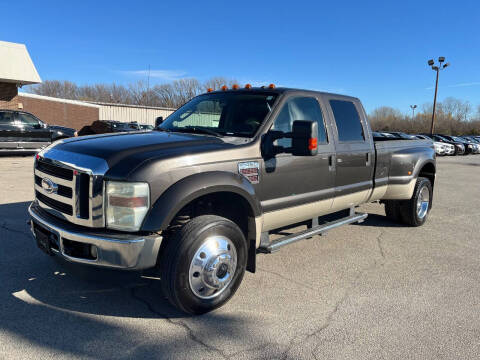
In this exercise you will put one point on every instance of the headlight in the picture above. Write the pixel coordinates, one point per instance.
(127, 204)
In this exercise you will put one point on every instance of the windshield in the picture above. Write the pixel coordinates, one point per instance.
(232, 114)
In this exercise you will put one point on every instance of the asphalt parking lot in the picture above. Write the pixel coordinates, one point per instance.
(370, 291)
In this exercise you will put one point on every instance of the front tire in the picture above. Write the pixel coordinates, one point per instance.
(203, 264)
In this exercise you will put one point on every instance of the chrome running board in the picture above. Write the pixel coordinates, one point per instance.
(319, 229)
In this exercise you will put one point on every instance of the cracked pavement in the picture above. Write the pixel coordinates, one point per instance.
(375, 290)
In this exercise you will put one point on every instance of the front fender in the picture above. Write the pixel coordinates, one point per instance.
(184, 191)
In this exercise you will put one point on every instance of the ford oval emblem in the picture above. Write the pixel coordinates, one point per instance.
(49, 186)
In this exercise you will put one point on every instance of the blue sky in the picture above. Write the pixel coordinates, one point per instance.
(375, 50)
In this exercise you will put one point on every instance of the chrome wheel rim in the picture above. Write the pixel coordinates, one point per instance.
(423, 202)
(213, 267)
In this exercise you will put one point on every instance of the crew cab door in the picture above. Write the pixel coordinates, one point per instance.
(31, 133)
(354, 162)
(7, 138)
(297, 188)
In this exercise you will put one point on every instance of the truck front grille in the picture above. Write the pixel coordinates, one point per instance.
(54, 204)
(66, 192)
(59, 172)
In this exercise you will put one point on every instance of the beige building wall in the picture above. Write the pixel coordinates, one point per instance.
(129, 113)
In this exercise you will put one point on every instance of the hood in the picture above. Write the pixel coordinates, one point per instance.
(131, 149)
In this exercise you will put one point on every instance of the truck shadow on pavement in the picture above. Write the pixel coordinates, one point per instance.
(376, 220)
(91, 312)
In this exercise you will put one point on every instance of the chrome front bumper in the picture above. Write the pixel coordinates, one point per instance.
(114, 250)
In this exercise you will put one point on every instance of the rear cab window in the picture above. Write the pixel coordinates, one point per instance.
(347, 120)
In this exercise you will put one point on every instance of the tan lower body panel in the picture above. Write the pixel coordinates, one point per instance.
(279, 218)
(400, 191)
(378, 193)
(255, 225)
(276, 219)
(347, 201)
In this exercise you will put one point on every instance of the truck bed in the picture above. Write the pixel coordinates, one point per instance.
(395, 165)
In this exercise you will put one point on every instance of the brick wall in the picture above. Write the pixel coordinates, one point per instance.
(58, 112)
(8, 96)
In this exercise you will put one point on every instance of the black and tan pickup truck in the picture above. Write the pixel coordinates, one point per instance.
(198, 198)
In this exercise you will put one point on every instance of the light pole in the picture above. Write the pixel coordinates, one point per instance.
(436, 68)
(413, 111)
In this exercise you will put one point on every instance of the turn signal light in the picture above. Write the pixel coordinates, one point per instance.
(271, 86)
(224, 87)
(248, 86)
(209, 90)
(235, 86)
(312, 143)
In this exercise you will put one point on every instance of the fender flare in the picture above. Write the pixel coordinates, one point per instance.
(188, 189)
(421, 164)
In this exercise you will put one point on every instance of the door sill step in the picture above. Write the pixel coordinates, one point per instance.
(289, 239)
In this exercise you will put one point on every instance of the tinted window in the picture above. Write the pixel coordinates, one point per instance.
(348, 121)
(27, 120)
(6, 118)
(299, 108)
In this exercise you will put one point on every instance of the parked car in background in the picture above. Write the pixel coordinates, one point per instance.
(469, 147)
(473, 142)
(459, 147)
(104, 127)
(401, 135)
(23, 132)
(136, 126)
(441, 148)
(474, 139)
(382, 136)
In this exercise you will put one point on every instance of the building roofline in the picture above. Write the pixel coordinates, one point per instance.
(65, 101)
(95, 104)
(131, 105)
(16, 65)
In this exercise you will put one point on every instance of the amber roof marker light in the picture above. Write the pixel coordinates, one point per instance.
(209, 90)
(224, 88)
(235, 86)
(248, 86)
(271, 86)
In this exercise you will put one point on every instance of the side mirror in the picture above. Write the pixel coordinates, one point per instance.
(158, 120)
(304, 138)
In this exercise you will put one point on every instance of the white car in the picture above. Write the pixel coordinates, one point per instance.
(440, 148)
(449, 148)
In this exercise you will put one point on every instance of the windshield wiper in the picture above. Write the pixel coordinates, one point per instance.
(198, 129)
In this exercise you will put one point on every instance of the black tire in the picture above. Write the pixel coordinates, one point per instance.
(408, 209)
(181, 248)
(392, 210)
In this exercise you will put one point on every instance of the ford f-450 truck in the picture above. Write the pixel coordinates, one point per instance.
(198, 198)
